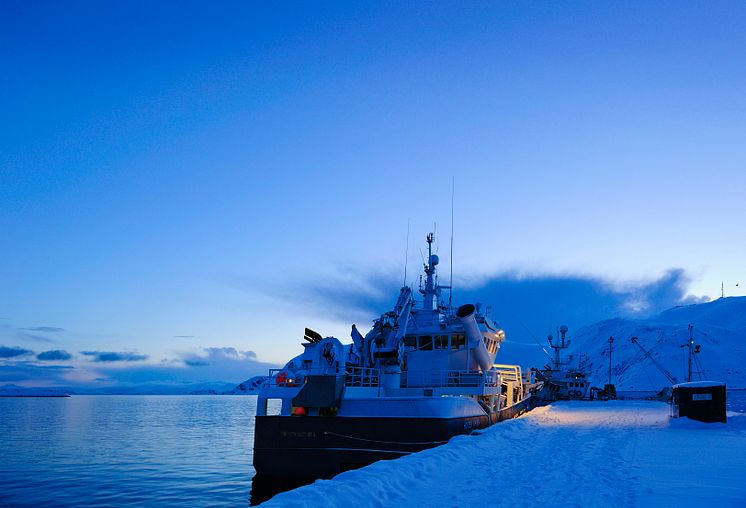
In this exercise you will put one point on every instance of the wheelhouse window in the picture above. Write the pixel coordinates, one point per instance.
(491, 345)
(410, 341)
(440, 342)
(426, 342)
(458, 340)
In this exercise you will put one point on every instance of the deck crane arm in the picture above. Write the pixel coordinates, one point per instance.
(671, 378)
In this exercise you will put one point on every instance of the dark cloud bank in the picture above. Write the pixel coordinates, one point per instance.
(111, 356)
(13, 352)
(528, 307)
(54, 355)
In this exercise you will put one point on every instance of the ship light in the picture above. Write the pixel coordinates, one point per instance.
(299, 411)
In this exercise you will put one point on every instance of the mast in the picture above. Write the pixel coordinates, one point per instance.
(450, 257)
(691, 360)
(431, 292)
(561, 332)
(690, 345)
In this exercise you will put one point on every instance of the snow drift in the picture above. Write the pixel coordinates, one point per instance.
(616, 454)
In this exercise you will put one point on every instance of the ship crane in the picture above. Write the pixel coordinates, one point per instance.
(671, 378)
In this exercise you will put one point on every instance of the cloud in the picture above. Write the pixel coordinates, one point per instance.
(120, 372)
(183, 336)
(37, 338)
(210, 364)
(111, 356)
(9, 332)
(659, 295)
(527, 306)
(13, 352)
(54, 355)
(37, 375)
(196, 363)
(215, 355)
(46, 329)
(349, 294)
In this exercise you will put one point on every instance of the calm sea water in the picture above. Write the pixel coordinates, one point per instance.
(134, 450)
(126, 451)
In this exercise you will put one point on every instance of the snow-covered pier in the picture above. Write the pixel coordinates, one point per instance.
(617, 453)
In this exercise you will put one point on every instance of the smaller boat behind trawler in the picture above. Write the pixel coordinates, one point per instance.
(566, 376)
(422, 375)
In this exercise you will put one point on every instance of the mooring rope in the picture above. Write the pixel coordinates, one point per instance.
(385, 442)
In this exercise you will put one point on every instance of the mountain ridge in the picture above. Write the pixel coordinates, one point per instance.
(719, 328)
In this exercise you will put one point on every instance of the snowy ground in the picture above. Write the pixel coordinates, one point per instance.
(618, 453)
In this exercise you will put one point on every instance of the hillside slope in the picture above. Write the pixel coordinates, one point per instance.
(719, 327)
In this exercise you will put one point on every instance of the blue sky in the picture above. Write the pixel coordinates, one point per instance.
(178, 178)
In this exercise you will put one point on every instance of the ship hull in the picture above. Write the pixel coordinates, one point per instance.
(290, 451)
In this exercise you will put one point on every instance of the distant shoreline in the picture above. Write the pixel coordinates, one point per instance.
(13, 396)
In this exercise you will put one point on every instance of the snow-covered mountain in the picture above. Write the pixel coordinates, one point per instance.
(719, 327)
(250, 386)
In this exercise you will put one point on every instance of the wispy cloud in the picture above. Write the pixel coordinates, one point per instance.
(184, 336)
(54, 355)
(34, 334)
(36, 338)
(211, 364)
(213, 355)
(350, 293)
(112, 356)
(124, 370)
(14, 352)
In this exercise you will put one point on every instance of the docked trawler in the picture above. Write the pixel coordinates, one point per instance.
(422, 375)
(566, 377)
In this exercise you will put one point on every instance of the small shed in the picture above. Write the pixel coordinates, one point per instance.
(699, 400)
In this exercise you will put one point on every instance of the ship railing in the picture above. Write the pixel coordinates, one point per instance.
(280, 377)
(370, 377)
(510, 373)
(361, 376)
(449, 378)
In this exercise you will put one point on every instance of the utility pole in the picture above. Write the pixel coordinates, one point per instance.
(611, 341)
(691, 346)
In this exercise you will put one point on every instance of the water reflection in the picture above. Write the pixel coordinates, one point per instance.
(125, 450)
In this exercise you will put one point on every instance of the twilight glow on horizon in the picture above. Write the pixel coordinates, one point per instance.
(184, 187)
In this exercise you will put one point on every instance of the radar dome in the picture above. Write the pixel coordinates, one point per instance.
(434, 259)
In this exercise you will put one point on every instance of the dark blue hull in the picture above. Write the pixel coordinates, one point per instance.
(290, 451)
